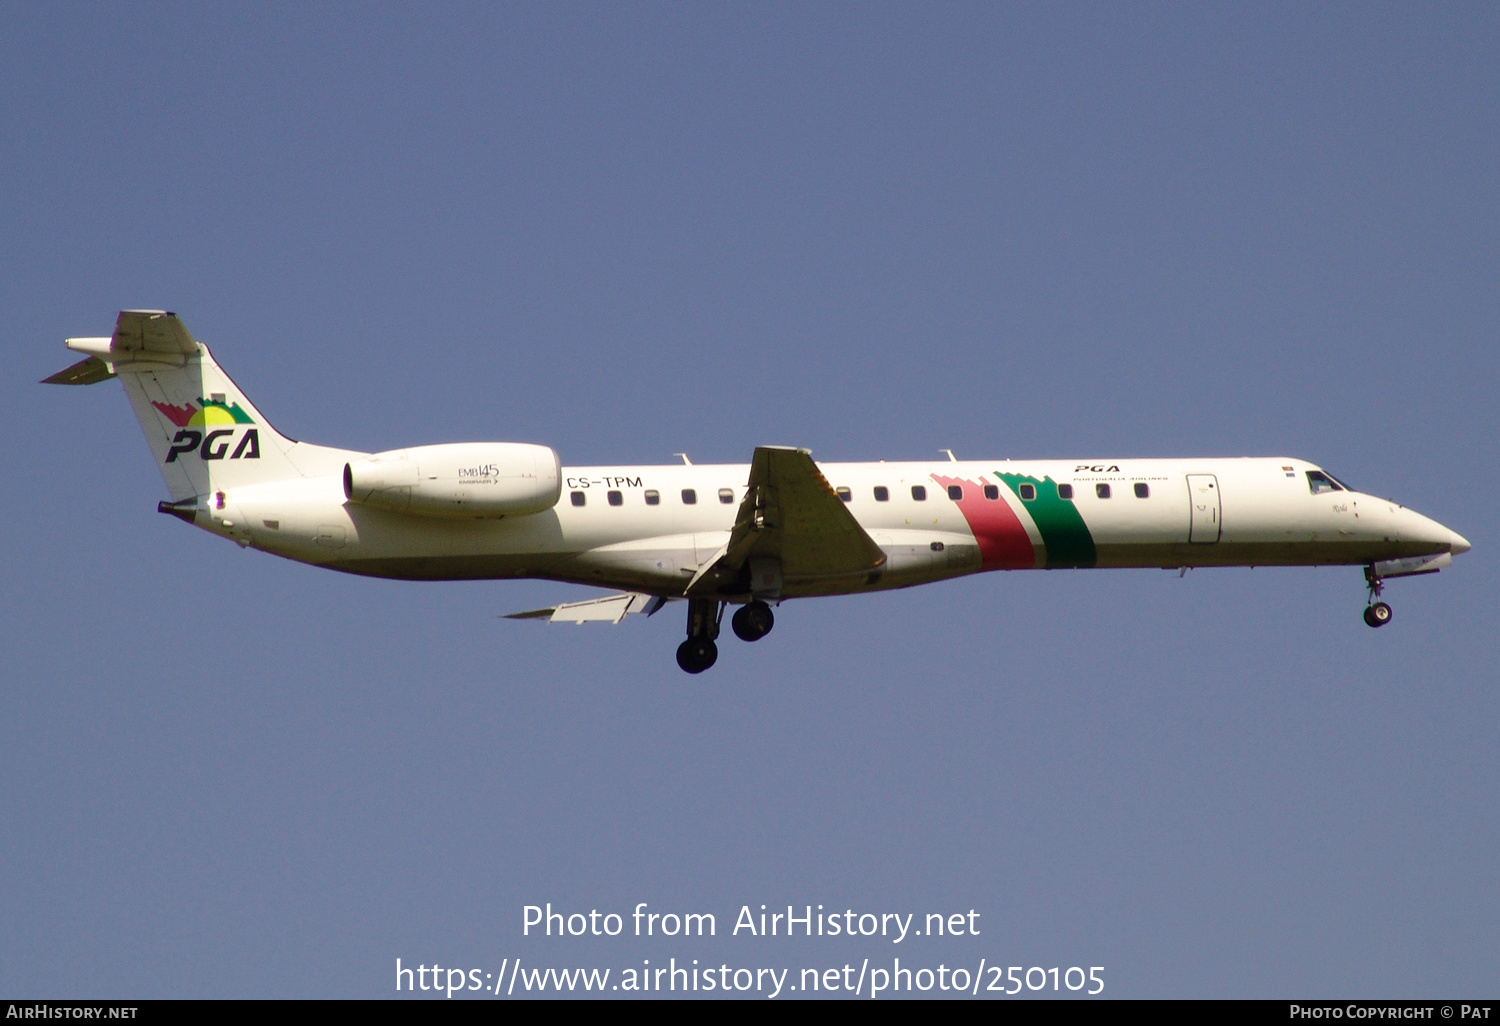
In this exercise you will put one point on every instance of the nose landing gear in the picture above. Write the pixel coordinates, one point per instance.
(1377, 613)
(699, 652)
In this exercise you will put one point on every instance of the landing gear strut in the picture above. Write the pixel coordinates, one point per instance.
(1377, 613)
(752, 621)
(699, 652)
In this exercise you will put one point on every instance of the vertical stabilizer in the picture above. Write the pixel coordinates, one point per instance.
(205, 434)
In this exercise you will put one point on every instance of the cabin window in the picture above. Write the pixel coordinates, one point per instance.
(653, 497)
(956, 493)
(689, 497)
(882, 493)
(615, 498)
(1319, 482)
(1101, 490)
(1142, 491)
(936, 546)
(845, 494)
(992, 492)
(1028, 492)
(578, 498)
(1064, 491)
(919, 493)
(726, 495)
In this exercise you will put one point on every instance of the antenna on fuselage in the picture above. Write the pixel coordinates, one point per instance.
(951, 458)
(685, 460)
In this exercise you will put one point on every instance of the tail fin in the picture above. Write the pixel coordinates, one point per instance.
(205, 434)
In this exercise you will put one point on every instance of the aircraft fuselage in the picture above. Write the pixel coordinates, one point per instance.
(634, 528)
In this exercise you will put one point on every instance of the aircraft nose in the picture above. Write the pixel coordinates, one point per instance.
(1459, 543)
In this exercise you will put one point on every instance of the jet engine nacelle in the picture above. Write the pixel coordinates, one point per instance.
(466, 479)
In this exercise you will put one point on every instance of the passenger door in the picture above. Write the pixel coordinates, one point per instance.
(1203, 492)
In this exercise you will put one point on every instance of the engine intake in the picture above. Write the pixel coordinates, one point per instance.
(464, 479)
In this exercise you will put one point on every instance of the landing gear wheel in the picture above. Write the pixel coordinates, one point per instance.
(697, 654)
(752, 621)
(1377, 613)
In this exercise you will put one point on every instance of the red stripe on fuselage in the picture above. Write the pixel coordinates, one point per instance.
(1003, 542)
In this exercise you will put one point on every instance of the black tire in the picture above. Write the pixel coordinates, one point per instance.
(752, 621)
(1378, 615)
(697, 654)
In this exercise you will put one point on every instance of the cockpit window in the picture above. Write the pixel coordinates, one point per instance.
(1319, 482)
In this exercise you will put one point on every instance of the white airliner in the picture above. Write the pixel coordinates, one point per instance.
(715, 536)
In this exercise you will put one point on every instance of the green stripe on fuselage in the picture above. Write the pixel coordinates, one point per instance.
(1063, 531)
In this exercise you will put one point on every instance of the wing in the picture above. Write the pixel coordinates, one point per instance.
(792, 524)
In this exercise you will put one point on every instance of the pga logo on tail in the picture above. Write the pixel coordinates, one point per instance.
(210, 444)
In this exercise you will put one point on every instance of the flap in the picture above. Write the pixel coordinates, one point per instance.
(606, 609)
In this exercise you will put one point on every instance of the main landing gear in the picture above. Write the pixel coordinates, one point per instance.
(1377, 613)
(751, 622)
(699, 652)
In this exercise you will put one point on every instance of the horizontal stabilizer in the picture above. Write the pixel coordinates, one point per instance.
(142, 340)
(607, 609)
(85, 372)
(142, 332)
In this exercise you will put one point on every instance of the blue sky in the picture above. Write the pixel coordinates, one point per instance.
(627, 231)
